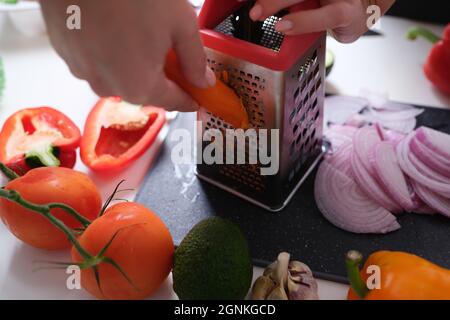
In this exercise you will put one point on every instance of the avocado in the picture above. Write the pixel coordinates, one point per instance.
(213, 262)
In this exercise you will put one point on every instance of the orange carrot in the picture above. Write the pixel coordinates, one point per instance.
(220, 99)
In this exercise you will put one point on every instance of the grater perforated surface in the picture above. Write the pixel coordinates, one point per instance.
(305, 114)
(291, 101)
(250, 84)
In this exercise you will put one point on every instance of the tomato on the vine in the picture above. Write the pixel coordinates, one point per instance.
(141, 246)
(49, 185)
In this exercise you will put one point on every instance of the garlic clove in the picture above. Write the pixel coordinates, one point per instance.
(270, 269)
(280, 276)
(301, 283)
(282, 268)
(262, 287)
(279, 293)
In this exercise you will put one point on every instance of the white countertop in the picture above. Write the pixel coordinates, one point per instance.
(37, 76)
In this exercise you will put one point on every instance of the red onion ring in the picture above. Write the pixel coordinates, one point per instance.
(364, 142)
(404, 157)
(341, 158)
(339, 135)
(370, 186)
(346, 206)
(435, 140)
(429, 157)
(425, 209)
(390, 175)
(337, 109)
(432, 199)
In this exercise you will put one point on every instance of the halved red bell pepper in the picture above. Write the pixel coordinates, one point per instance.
(437, 66)
(37, 137)
(116, 133)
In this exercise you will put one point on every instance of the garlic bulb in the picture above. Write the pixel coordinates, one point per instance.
(285, 280)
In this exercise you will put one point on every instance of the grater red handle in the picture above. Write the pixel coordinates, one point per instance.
(293, 47)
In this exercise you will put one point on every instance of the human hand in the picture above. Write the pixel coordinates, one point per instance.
(122, 46)
(346, 20)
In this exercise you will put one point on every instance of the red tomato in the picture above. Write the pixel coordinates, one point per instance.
(143, 248)
(46, 185)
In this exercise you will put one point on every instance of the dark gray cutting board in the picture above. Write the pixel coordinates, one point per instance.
(182, 200)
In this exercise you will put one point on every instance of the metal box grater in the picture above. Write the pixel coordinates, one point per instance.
(281, 83)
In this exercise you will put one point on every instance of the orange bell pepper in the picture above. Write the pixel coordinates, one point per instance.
(403, 276)
(220, 99)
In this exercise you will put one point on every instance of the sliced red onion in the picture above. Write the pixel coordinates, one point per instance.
(364, 142)
(388, 115)
(347, 131)
(390, 175)
(404, 159)
(425, 209)
(374, 99)
(426, 170)
(339, 135)
(337, 109)
(391, 136)
(341, 158)
(356, 121)
(370, 186)
(346, 206)
(432, 159)
(404, 126)
(394, 106)
(433, 200)
(435, 140)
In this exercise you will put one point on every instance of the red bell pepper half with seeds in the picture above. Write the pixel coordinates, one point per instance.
(38, 137)
(117, 133)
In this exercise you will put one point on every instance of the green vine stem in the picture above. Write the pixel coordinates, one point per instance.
(72, 212)
(415, 32)
(110, 198)
(10, 174)
(89, 261)
(352, 262)
(44, 210)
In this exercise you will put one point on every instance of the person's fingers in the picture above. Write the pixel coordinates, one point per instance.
(266, 8)
(191, 55)
(163, 93)
(334, 15)
(172, 97)
(100, 87)
(76, 69)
